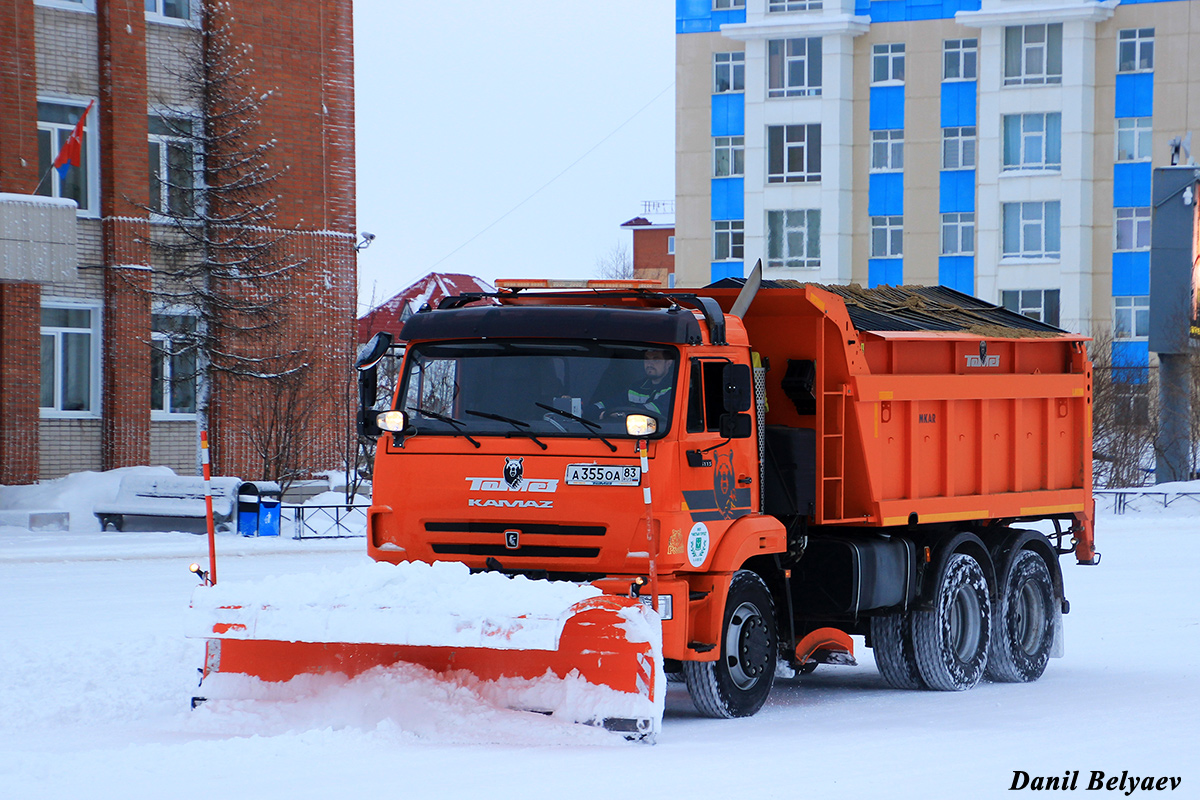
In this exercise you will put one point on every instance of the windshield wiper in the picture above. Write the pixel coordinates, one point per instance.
(589, 426)
(458, 426)
(516, 423)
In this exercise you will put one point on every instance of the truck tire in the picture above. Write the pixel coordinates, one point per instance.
(895, 655)
(738, 682)
(1023, 622)
(951, 639)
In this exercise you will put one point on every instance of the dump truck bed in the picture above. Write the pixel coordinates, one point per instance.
(927, 405)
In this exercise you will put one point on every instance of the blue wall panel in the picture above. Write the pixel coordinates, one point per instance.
(957, 272)
(887, 11)
(1131, 273)
(728, 198)
(958, 103)
(1131, 184)
(889, 271)
(885, 194)
(698, 16)
(1131, 354)
(728, 114)
(1135, 95)
(956, 190)
(726, 269)
(887, 108)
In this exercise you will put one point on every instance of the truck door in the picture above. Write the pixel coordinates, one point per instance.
(719, 471)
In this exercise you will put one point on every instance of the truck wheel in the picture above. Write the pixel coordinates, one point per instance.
(1024, 622)
(738, 682)
(951, 640)
(892, 642)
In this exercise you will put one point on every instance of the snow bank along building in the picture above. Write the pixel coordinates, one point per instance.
(86, 377)
(999, 147)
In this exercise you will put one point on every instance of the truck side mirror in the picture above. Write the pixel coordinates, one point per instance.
(736, 386)
(735, 426)
(367, 364)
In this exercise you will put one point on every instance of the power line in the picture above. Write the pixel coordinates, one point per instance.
(564, 171)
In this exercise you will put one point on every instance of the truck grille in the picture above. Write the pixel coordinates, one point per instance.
(525, 551)
(523, 527)
(494, 543)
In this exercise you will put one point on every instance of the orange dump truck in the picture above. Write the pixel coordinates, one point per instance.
(775, 469)
(772, 470)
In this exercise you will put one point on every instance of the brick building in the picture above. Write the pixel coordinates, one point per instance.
(84, 380)
(654, 243)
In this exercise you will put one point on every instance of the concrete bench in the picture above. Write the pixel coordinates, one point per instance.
(172, 503)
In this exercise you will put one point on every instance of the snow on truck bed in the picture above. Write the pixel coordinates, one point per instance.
(440, 604)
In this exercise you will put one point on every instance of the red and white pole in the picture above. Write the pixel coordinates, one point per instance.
(208, 511)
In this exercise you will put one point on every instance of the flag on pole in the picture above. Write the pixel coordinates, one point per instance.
(69, 155)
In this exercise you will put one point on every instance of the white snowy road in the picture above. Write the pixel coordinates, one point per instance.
(95, 678)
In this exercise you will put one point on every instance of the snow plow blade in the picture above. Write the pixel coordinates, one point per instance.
(576, 654)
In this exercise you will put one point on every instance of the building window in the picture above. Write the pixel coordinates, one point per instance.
(173, 364)
(958, 234)
(729, 238)
(794, 67)
(1131, 317)
(794, 238)
(729, 156)
(1135, 50)
(887, 237)
(1033, 54)
(70, 359)
(1134, 139)
(1033, 141)
(729, 72)
(56, 123)
(1133, 228)
(958, 148)
(670, 245)
(72, 5)
(774, 6)
(173, 167)
(960, 59)
(887, 63)
(1039, 304)
(887, 151)
(723, 5)
(169, 9)
(793, 153)
(1031, 230)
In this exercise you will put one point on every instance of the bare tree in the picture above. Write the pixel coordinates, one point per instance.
(616, 264)
(1123, 412)
(281, 423)
(224, 258)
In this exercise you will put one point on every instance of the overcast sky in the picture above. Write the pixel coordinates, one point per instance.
(464, 110)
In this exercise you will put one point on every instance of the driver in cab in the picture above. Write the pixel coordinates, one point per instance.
(652, 394)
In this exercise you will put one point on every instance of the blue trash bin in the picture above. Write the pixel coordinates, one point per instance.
(268, 509)
(248, 509)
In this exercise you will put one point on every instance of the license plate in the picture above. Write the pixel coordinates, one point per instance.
(603, 475)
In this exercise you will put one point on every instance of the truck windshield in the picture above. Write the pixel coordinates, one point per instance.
(537, 387)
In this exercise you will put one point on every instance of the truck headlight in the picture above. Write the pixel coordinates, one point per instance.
(393, 421)
(640, 425)
(664, 605)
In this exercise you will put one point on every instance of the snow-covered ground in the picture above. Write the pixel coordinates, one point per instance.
(96, 675)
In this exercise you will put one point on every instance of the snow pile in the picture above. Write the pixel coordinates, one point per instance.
(411, 603)
(76, 494)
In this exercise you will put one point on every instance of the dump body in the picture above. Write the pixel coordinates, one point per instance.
(919, 426)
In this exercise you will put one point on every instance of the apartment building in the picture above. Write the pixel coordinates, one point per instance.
(1003, 148)
(88, 380)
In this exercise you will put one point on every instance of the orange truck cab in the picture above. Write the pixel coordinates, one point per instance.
(774, 473)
